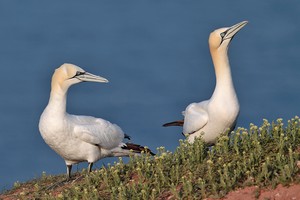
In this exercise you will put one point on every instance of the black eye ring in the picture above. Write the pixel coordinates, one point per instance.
(222, 34)
(78, 73)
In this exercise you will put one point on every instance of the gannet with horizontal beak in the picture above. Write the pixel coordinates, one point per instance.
(80, 138)
(212, 117)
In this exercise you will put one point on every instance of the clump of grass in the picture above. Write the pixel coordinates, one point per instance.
(263, 156)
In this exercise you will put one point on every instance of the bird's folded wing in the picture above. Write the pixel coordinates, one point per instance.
(106, 135)
(195, 118)
(86, 135)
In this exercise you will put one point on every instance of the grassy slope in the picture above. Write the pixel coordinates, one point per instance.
(263, 156)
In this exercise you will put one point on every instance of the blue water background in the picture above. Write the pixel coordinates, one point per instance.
(155, 54)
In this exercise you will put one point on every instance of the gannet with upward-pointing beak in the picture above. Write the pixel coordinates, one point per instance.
(212, 117)
(80, 138)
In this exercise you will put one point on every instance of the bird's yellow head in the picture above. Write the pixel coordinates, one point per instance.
(221, 38)
(69, 74)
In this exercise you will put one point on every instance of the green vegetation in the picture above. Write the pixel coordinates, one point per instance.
(263, 156)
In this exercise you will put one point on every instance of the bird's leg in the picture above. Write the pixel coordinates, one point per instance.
(69, 168)
(90, 167)
(60, 183)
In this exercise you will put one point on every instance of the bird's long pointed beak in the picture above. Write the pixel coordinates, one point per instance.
(234, 29)
(91, 78)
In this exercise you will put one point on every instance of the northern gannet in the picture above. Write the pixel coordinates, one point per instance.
(212, 117)
(80, 138)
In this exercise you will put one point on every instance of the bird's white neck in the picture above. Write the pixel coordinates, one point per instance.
(224, 85)
(58, 100)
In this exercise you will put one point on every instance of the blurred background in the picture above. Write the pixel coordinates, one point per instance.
(156, 57)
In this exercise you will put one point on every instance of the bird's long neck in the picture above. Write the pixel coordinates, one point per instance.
(58, 100)
(224, 85)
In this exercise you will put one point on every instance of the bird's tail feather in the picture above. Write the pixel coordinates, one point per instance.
(175, 123)
(136, 148)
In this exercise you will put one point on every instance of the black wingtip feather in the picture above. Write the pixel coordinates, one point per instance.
(137, 148)
(127, 136)
(175, 123)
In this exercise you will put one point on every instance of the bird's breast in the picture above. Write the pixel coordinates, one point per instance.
(53, 128)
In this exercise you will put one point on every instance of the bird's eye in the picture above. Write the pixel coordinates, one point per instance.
(78, 73)
(222, 34)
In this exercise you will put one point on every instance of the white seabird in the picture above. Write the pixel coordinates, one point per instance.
(212, 117)
(80, 138)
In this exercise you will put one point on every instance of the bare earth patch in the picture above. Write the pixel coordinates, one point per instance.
(248, 193)
(252, 193)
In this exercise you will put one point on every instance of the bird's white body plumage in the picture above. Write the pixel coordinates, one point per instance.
(212, 117)
(78, 138)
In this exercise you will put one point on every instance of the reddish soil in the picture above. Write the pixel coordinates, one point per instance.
(248, 193)
(252, 193)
